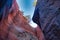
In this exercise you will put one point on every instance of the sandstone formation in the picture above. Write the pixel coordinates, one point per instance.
(15, 27)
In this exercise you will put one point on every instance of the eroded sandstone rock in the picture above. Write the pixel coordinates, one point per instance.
(15, 27)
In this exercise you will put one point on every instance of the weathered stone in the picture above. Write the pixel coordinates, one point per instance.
(47, 16)
(15, 27)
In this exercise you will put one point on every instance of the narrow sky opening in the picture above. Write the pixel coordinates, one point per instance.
(28, 9)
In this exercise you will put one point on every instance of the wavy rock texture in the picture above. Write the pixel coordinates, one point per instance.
(47, 16)
(14, 26)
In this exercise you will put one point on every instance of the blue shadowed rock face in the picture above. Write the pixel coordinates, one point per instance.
(4, 4)
(47, 16)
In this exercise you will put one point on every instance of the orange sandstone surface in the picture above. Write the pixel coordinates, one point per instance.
(15, 23)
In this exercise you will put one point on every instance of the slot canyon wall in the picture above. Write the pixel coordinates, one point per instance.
(14, 26)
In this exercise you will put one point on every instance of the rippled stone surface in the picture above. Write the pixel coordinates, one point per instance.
(47, 16)
(14, 26)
